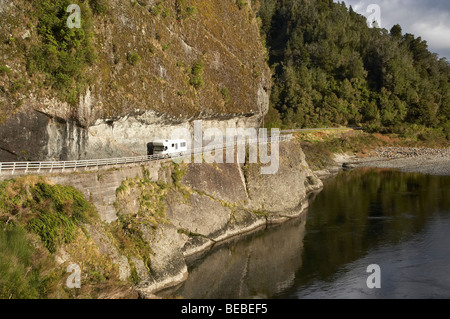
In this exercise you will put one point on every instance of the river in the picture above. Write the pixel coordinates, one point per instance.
(399, 222)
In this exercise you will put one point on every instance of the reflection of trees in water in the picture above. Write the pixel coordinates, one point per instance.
(363, 209)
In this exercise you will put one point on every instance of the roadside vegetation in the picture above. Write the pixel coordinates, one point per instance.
(40, 221)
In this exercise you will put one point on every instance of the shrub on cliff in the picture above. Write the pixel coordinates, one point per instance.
(197, 76)
(61, 209)
(51, 211)
(183, 11)
(133, 58)
(98, 6)
(63, 53)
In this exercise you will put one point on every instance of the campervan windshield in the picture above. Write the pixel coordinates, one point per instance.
(160, 148)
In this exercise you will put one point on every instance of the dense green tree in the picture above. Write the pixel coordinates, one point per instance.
(330, 68)
(396, 32)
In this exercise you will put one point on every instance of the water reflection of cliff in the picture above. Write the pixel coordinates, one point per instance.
(356, 213)
(259, 265)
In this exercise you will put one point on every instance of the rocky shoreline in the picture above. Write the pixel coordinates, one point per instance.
(406, 159)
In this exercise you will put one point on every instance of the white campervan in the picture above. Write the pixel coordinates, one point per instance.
(169, 148)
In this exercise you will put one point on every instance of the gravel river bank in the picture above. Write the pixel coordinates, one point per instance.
(406, 159)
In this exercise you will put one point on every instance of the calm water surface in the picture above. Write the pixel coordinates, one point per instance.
(399, 221)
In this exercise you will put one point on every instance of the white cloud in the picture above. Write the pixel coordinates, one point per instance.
(428, 19)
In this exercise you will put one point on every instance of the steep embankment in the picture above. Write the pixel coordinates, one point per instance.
(134, 71)
(159, 216)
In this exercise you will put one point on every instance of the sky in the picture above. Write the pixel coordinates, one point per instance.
(428, 19)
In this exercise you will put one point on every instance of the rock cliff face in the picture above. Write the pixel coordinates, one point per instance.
(226, 200)
(158, 66)
(182, 210)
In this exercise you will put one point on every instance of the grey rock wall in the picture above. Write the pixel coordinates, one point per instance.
(215, 204)
(34, 136)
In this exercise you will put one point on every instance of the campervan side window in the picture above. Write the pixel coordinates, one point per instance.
(183, 144)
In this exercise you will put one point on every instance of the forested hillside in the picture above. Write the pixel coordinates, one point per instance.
(330, 68)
